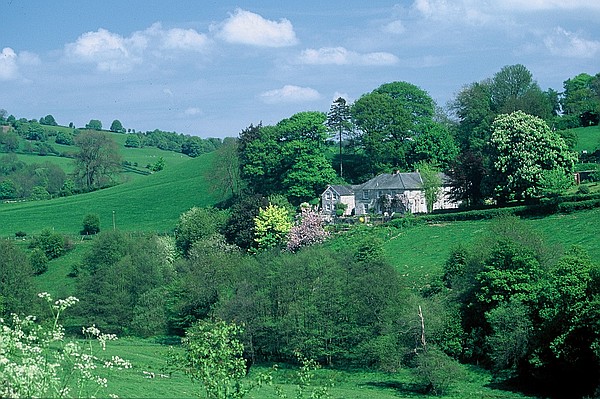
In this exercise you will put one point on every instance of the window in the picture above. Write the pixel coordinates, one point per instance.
(366, 194)
(328, 195)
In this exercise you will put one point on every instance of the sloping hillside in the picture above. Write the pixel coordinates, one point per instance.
(150, 204)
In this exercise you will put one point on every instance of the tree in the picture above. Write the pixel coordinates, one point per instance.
(226, 178)
(432, 184)
(48, 120)
(308, 230)
(272, 226)
(213, 356)
(98, 159)
(523, 147)
(513, 89)
(94, 124)
(388, 118)
(91, 224)
(197, 224)
(116, 126)
(16, 285)
(133, 141)
(288, 158)
(340, 123)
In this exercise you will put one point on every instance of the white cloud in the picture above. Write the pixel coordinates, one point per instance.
(395, 27)
(246, 27)
(192, 111)
(109, 51)
(342, 56)
(538, 5)
(8, 64)
(112, 52)
(568, 44)
(290, 94)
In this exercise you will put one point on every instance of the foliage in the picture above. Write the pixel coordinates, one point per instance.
(98, 160)
(523, 147)
(213, 357)
(91, 224)
(116, 126)
(287, 158)
(195, 225)
(117, 275)
(158, 165)
(39, 261)
(94, 124)
(16, 285)
(271, 227)
(339, 123)
(435, 371)
(388, 119)
(53, 245)
(308, 230)
(36, 360)
(304, 379)
(226, 174)
(48, 120)
(432, 184)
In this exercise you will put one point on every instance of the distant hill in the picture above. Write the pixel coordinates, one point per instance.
(152, 203)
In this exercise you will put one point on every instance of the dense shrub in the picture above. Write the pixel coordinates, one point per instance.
(91, 224)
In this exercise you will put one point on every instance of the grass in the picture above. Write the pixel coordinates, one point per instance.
(420, 252)
(588, 138)
(153, 203)
(148, 356)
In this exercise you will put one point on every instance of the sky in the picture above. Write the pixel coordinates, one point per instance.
(212, 68)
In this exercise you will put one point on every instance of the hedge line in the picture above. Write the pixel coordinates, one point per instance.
(546, 206)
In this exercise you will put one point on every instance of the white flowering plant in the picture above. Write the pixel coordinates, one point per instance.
(37, 361)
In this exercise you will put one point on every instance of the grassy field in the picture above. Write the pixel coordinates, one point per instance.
(147, 356)
(588, 138)
(153, 203)
(419, 252)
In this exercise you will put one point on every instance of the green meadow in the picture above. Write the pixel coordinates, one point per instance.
(153, 203)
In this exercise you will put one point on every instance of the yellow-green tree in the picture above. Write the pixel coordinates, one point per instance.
(272, 226)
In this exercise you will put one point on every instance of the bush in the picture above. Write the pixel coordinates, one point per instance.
(583, 190)
(436, 371)
(91, 224)
(39, 261)
(53, 245)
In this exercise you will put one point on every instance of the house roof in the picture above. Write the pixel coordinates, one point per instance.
(395, 181)
(342, 190)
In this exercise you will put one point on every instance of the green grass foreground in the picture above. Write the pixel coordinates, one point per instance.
(151, 204)
(148, 358)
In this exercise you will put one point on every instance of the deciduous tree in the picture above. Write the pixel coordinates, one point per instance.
(98, 161)
(523, 147)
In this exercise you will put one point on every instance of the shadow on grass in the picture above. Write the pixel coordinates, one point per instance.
(407, 389)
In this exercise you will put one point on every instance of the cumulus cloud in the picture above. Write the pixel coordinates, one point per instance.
(8, 64)
(568, 44)
(342, 56)
(112, 52)
(245, 27)
(290, 94)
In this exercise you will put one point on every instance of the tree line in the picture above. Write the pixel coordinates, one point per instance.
(398, 126)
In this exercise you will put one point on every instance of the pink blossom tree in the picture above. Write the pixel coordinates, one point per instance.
(307, 230)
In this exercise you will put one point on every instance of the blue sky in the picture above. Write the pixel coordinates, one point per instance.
(210, 68)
